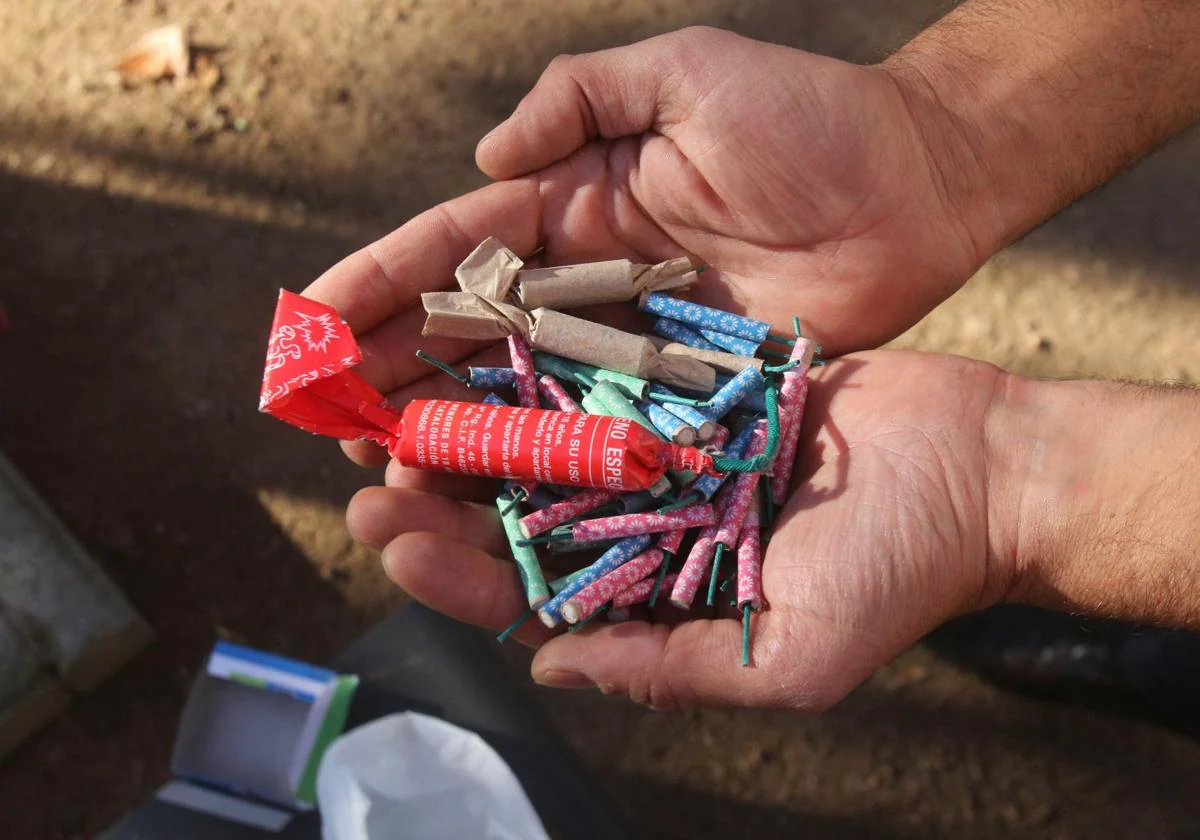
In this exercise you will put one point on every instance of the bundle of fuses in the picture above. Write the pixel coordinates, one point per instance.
(655, 461)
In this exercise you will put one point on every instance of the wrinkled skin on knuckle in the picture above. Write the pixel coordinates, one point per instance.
(560, 65)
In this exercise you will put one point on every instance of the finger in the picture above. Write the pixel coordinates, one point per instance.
(364, 453)
(610, 93)
(462, 487)
(694, 663)
(461, 581)
(377, 515)
(390, 351)
(388, 276)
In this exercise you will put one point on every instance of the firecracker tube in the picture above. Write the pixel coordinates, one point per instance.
(587, 600)
(639, 593)
(308, 383)
(749, 562)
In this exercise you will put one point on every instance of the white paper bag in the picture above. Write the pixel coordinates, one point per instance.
(413, 777)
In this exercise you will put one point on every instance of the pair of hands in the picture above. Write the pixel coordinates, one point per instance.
(810, 187)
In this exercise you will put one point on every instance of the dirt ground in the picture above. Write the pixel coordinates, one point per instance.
(144, 234)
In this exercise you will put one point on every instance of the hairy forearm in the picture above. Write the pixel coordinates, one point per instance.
(1095, 497)
(1029, 104)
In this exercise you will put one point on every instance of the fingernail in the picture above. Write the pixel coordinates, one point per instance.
(561, 678)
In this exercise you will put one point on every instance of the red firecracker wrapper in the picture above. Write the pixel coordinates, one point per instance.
(308, 383)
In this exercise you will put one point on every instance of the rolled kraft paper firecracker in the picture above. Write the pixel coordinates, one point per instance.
(532, 579)
(543, 520)
(556, 395)
(718, 360)
(673, 331)
(494, 399)
(697, 316)
(593, 596)
(613, 281)
(490, 270)
(617, 556)
(522, 362)
(491, 377)
(467, 315)
(613, 349)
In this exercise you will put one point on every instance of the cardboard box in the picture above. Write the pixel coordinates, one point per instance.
(252, 735)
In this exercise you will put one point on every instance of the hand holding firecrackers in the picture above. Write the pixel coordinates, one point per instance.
(623, 436)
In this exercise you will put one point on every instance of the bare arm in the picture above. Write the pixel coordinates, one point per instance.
(1029, 104)
(1096, 497)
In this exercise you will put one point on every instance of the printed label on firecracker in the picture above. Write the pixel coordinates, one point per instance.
(553, 447)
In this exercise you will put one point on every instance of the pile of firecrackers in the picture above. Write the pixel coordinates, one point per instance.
(708, 413)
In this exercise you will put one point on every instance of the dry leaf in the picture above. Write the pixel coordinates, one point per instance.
(159, 54)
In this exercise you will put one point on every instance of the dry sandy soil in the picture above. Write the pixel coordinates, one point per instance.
(144, 235)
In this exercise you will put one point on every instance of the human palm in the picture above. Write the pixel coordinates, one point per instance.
(805, 182)
(885, 537)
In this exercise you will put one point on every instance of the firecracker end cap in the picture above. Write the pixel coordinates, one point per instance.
(309, 342)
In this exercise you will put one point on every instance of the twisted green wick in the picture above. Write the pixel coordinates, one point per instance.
(442, 366)
(759, 462)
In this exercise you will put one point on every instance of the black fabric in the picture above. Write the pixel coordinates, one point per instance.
(417, 660)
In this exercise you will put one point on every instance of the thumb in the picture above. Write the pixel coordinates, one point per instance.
(611, 93)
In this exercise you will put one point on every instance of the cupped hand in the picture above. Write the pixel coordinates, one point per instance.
(892, 529)
(807, 184)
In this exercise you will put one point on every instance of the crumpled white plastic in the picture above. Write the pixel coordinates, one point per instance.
(413, 777)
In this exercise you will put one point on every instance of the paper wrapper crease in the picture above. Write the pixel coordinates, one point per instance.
(469, 315)
(613, 281)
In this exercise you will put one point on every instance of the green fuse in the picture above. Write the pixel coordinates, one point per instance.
(634, 387)
(536, 590)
